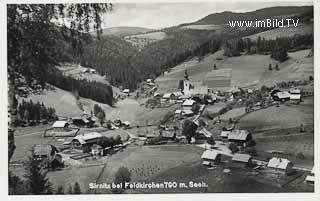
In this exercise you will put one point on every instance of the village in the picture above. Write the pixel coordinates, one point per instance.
(84, 141)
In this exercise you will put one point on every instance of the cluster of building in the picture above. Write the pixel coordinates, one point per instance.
(294, 94)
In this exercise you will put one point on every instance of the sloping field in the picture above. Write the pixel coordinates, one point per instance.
(285, 116)
(284, 32)
(247, 70)
(62, 101)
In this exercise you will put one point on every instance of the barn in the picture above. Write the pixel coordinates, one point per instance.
(241, 160)
(210, 158)
(280, 166)
(240, 137)
(85, 141)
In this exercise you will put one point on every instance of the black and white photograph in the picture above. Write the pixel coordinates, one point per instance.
(160, 97)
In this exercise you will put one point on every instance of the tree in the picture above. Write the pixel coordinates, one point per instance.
(101, 117)
(214, 67)
(118, 140)
(70, 189)
(195, 108)
(189, 129)
(122, 175)
(233, 147)
(37, 181)
(60, 190)
(211, 141)
(270, 67)
(35, 32)
(76, 188)
(277, 67)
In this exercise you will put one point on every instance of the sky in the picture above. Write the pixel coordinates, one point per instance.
(161, 15)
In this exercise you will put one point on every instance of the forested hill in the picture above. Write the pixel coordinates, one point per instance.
(125, 66)
(123, 31)
(224, 17)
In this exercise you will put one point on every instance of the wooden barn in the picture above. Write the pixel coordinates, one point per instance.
(241, 160)
(240, 137)
(210, 158)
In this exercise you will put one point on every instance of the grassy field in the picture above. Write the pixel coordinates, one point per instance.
(285, 116)
(143, 162)
(284, 32)
(298, 66)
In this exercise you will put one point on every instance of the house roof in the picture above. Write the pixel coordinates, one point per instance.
(295, 96)
(278, 163)
(126, 90)
(88, 136)
(205, 132)
(178, 93)
(60, 124)
(178, 111)
(210, 155)
(283, 94)
(167, 95)
(238, 135)
(225, 133)
(187, 112)
(310, 178)
(241, 158)
(188, 102)
(295, 91)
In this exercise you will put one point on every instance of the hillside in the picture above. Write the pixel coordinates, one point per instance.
(305, 28)
(298, 66)
(123, 31)
(224, 17)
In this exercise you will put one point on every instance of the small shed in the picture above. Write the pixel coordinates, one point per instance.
(60, 124)
(210, 158)
(242, 160)
(280, 166)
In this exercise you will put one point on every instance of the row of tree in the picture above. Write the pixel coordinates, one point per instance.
(277, 47)
(27, 110)
(88, 89)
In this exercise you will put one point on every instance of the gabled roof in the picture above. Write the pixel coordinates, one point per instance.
(278, 163)
(60, 124)
(205, 132)
(209, 155)
(88, 136)
(295, 96)
(187, 112)
(241, 158)
(283, 94)
(188, 102)
(310, 178)
(126, 90)
(295, 91)
(225, 133)
(238, 135)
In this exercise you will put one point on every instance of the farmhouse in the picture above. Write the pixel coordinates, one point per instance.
(211, 157)
(187, 104)
(83, 121)
(281, 96)
(241, 160)
(295, 94)
(47, 155)
(240, 137)
(168, 98)
(85, 141)
(205, 133)
(280, 166)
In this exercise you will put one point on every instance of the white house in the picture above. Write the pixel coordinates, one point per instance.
(187, 104)
(210, 157)
(280, 165)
